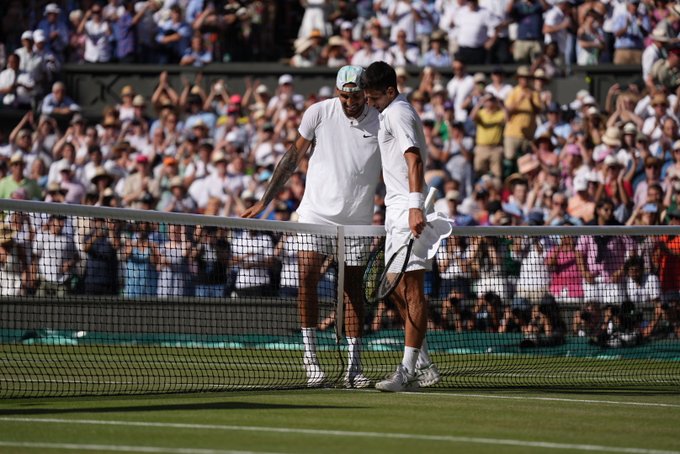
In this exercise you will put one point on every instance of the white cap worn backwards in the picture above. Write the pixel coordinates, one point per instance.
(349, 75)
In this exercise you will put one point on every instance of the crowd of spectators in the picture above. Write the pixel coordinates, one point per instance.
(501, 150)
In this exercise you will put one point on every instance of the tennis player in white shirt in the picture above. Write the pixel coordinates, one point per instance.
(343, 173)
(403, 152)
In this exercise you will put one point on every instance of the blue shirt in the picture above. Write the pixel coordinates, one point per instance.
(529, 17)
(123, 32)
(432, 59)
(58, 45)
(635, 33)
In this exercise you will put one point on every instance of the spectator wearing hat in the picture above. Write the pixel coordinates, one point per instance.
(179, 201)
(541, 80)
(630, 27)
(97, 35)
(402, 53)
(16, 180)
(54, 193)
(666, 71)
(528, 14)
(306, 55)
(656, 51)
(590, 39)
(438, 55)
(653, 125)
(56, 31)
(16, 86)
(490, 117)
(47, 67)
(285, 94)
(28, 61)
(101, 179)
(336, 53)
(498, 87)
(581, 204)
(610, 146)
(125, 109)
(140, 182)
(523, 105)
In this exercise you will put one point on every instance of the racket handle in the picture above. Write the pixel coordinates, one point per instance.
(429, 200)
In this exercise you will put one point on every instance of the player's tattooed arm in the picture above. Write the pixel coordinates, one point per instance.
(286, 167)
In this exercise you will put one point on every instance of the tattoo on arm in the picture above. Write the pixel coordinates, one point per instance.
(282, 173)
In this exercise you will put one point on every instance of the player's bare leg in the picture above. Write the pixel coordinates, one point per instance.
(309, 264)
(354, 320)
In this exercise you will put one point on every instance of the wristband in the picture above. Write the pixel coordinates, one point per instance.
(415, 200)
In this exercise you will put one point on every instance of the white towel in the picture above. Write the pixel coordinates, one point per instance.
(438, 227)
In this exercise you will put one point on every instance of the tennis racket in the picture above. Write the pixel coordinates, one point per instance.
(381, 280)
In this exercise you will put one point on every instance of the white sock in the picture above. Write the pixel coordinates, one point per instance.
(410, 358)
(354, 354)
(309, 341)
(424, 357)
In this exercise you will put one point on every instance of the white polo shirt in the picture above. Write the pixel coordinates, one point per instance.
(344, 167)
(400, 129)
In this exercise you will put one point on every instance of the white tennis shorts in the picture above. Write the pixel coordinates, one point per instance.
(357, 249)
(396, 226)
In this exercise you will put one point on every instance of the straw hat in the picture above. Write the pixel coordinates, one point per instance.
(55, 187)
(540, 74)
(99, 173)
(523, 71)
(612, 137)
(659, 34)
(527, 163)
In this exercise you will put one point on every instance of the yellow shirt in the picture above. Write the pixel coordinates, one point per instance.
(522, 123)
(490, 127)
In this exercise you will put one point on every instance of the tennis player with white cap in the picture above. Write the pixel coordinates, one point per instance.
(403, 152)
(341, 180)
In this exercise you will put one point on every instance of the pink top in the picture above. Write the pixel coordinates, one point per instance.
(565, 275)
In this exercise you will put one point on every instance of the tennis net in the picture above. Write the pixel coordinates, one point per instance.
(98, 301)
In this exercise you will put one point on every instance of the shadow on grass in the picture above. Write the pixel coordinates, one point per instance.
(169, 407)
(575, 390)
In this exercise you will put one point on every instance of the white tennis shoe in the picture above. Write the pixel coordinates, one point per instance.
(399, 381)
(315, 375)
(356, 380)
(428, 375)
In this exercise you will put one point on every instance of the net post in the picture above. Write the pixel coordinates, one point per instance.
(340, 308)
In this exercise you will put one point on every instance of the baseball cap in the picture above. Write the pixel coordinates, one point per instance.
(349, 75)
(52, 8)
(285, 79)
(39, 36)
(27, 35)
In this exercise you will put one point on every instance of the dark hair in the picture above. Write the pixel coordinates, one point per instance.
(379, 76)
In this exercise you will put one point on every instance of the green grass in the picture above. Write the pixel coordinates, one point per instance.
(339, 421)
